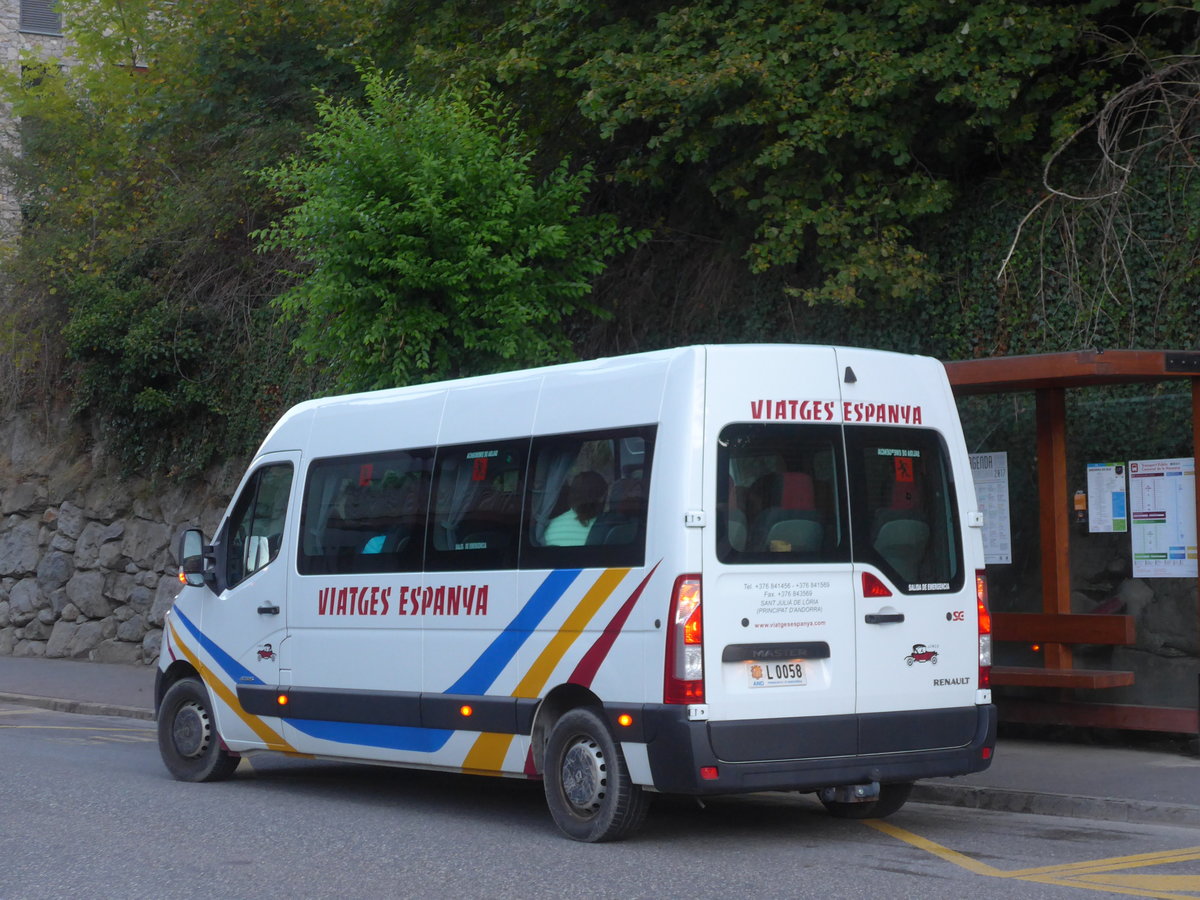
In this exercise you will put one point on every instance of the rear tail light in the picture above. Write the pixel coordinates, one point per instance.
(683, 680)
(985, 630)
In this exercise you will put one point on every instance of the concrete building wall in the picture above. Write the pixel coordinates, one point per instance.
(14, 43)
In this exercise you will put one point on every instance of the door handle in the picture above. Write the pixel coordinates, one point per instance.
(269, 610)
(883, 618)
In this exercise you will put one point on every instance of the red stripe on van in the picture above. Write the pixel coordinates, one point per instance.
(596, 654)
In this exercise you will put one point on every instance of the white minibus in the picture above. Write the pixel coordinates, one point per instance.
(708, 570)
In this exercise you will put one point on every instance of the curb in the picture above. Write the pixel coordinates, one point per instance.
(83, 707)
(1073, 806)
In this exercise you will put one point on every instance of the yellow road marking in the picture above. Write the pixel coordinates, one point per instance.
(1109, 889)
(953, 856)
(1091, 875)
(1156, 882)
(20, 712)
(1137, 860)
(128, 738)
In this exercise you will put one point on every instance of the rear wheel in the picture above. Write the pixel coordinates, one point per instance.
(187, 735)
(588, 788)
(891, 798)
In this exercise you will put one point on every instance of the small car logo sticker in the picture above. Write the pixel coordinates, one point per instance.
(921, 654)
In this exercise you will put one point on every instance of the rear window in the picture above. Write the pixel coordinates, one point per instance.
(903, 506)
(801, 493)
(781, 494)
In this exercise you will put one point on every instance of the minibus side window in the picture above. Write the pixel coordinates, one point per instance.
(780, 494)
(586, 503)
(255, 528)
(903, 506)
(476, 520)
(365, 513)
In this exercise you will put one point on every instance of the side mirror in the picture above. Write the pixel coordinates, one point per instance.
(192, 557)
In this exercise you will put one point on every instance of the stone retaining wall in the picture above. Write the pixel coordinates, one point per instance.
(87, 558)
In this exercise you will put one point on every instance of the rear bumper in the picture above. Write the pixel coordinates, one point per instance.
(886, 748)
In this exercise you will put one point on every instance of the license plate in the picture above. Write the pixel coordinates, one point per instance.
(775, 674)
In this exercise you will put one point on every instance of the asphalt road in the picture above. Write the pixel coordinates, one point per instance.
(87, 809)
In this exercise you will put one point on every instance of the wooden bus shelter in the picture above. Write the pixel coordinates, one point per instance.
(1056, 627)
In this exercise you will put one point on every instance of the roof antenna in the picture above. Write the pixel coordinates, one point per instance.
(850, 377)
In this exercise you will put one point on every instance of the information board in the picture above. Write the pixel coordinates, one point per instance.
(1107, 499)
(1162, 504)
(990, 472)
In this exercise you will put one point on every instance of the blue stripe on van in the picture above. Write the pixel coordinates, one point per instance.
(486, 669)
(391, 737)
(476, 680)
(234, 669)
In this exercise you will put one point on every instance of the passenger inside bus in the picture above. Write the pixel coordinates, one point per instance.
(625, 519)
(586, 499)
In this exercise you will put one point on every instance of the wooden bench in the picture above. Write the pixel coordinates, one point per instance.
(1061, 628)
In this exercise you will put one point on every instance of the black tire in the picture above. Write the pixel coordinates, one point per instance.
(588, 789)
(891, 798)
(187, 735)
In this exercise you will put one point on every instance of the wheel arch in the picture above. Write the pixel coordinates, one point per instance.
(560, 700)
(177, 671)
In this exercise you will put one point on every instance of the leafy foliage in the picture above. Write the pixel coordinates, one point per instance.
(828, 131)
(435, 248)
(137, 208)
(847, 172)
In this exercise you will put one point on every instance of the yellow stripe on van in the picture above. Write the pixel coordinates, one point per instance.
(272, 738)
(539, 673)
(486, 755)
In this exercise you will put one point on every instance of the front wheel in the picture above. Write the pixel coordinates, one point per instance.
(891, 798)
(187, 735)
(588, 789)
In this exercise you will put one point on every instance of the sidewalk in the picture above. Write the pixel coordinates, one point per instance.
(1083, 781)
(78, 687)
(1140, 784)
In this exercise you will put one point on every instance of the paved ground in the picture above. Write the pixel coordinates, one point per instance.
(1135, 781)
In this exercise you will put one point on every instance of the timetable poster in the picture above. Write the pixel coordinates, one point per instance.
(990, 472)
(1107, 499)
(1162, 502)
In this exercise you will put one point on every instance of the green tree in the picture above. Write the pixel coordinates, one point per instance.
(826, 133)
(838, 143)
(435, 247)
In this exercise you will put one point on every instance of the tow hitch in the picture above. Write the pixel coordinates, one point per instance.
(850, 793)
